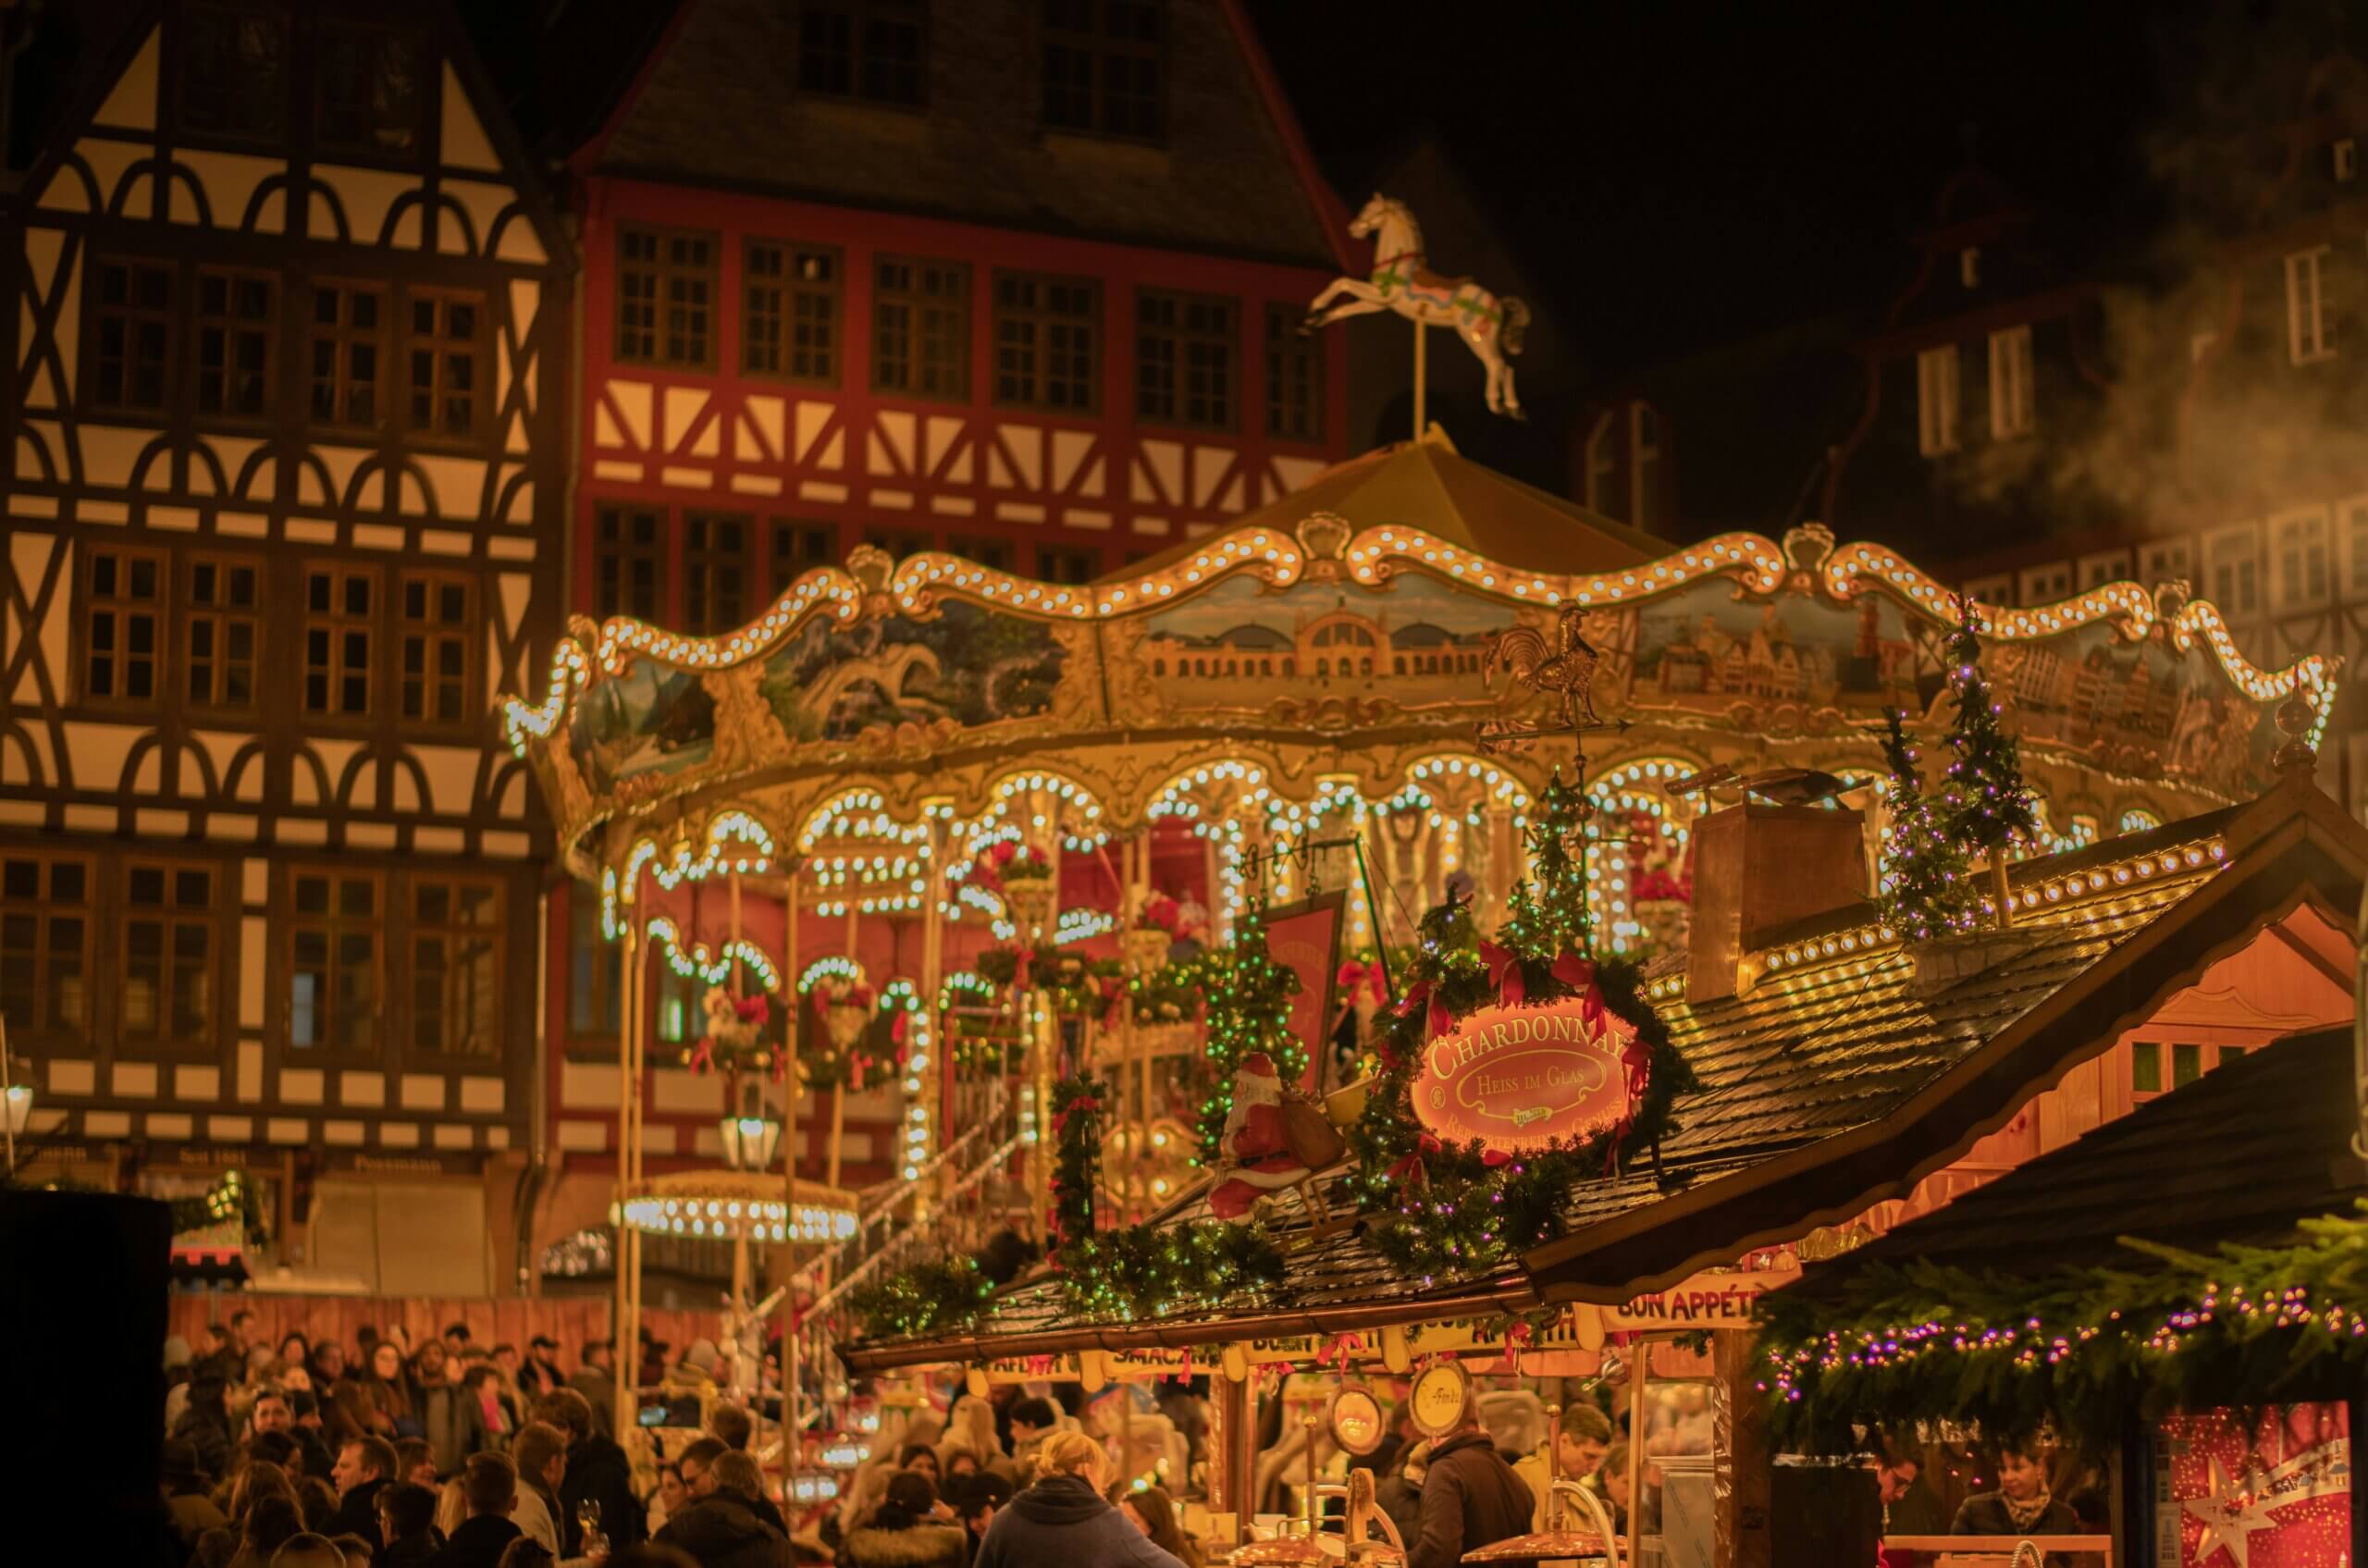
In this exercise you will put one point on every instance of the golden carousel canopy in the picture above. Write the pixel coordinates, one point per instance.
(1331, 653)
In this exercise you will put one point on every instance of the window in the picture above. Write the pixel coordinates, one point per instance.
(2096, 571)
(666, 286)
(333, 994)
(595, 969)
(44, 947)
(131, 335)
(791, 325)
(897, 542)
(436, 625)
(2187, 1065)
(1184, 358)
(2355, 541)
(920, 328)
(2299, 549)
(2010, 382)
(373, 91)
(2347, 160)
(1644, 458)
(800, 547)
(346, 347)
(1603, 464)
(167, 995)
(232, 74)
(1969, 267)
(443, 354)
(2045, 585)
(715, 572)
(2307, 338)
(456, 967)
(1992, 591)
(123, 625)
(2165, 562)
(2146, 1067)
(340, 615)
(994, 554)
(236, 330)
(1055, 564)
(221, 631)
(628, 563)
(2230, 559)
(1294, 377)
(1936, 401)
(870, 49)
(1045, 342)
(1102, 67)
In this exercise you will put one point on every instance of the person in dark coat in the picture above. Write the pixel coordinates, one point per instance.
(491, 1482)
(720, 1529)
(598, 1471)
(407, 1525)
(204, 1425)
(1400, 1495)
(1064, 1518)
(364, 1465)
(2021, 1506)
(1470, 1499)
(904, 1531)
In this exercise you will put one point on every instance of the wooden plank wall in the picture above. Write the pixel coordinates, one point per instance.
(511, 1320)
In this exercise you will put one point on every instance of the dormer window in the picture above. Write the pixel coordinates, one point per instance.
(1936, 401)
(1969, 266)
(2347, 160)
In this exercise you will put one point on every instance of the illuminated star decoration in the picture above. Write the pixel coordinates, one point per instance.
(2231, 1517)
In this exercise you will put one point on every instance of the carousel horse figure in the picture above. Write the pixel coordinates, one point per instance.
(1491, 327)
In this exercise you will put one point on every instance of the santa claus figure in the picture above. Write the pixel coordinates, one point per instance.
(1258, 1153)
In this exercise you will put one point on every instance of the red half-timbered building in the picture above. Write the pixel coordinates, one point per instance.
(1021, 280)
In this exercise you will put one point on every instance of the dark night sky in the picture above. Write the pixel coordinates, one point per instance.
(1678, 173)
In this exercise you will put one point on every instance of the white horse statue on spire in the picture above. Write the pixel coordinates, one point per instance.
(1491, 327)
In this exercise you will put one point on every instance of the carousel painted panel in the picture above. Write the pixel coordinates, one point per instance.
(1790, 664)
(963, 668)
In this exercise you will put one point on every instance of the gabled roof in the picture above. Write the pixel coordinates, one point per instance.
(1429, 487)
(2240, 1155)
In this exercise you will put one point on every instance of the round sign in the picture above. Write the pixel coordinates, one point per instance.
(1519, 1078)
(1438, 1398)
(1355, 1420)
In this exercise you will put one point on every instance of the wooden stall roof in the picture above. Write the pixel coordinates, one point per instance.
(1828, 1086)
(2240, 1155)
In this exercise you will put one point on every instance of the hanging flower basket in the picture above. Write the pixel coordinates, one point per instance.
(1030, 902)
(1146, 949)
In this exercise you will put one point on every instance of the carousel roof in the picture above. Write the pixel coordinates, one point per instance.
(1430, 486)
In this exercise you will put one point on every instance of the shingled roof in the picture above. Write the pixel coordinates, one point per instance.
(1835, 1081)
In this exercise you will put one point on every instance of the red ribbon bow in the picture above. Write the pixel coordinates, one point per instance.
(702, 1058)
(1336, 1353)
(1410, 1167)
(1504, 973)
(1517, 1336)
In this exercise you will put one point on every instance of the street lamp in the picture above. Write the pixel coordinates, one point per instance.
(750, 1135)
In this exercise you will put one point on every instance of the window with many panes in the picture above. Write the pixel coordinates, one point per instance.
(666, 286)
(221, 631)
(340, 625)
(237, 329)
(715, 572)
(1101, 62)
(628, 565)
(123, 625)
(230, 74)
(333, 985)
(1184, 358)
(1294, 377)
(1046, 352)
(166, 991)
(456, 967)
(996, 554)
(790, 328)
(1056, 563)
(2298, 551)
(2232, 571)
(46, 947)
(437, 623)
(345, 347)
(800, 547)
(372, 90)
(897, 542)
(443, 362)
(876, 50)
(920, 328)
(130, 335)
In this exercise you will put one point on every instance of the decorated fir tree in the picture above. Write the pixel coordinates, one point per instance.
(1249, 1000)
(1926, 888)
(1985, 806)
(1548, 914)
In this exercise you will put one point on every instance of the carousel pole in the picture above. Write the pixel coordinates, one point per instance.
(1421, 377)
(839, 1088)
(937, 1082)
(740, 1293)
(792, 1445)
(629, 978)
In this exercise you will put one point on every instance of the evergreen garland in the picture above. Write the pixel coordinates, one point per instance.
(1248, 999)
(1985, 804)
(2082, 1349)
(941, 1294)
(1077, 1144)
(1439, 1210)
(1926, 888)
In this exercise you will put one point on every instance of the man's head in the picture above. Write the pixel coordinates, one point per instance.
(1896, 1474)
(982, 1494)
(405, 1512)
(506, 1358)
(456, 1339)
(1073, 1453)
(736, 1473)
(219, 1342)
(304, 1409)
(242, 1329)
(1586, 1437)
(698, 1460)
(2021, 1476)
(568, 1410)
(731, 1426)
(491, 1482)
(599, 1354)
(1031, 1418)
(361, 1460)
(542, 1347)
(415, 1460)
(271, 1411)
(275, 1448)
(306, 1550)
(358, 1553)
(540, 1451)
(428, 1364)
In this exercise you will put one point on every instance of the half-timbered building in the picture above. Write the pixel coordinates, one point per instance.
(285, 501)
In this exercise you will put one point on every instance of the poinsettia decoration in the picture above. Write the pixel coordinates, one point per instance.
(739, 1036)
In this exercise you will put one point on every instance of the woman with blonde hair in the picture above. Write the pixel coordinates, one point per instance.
(1063, 1517)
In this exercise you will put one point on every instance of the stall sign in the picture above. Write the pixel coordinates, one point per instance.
(1305, 939)
(1705, 1300)
(1479, 1336)
(1032, 1369)
(1519, 1078)
(1157, 1361)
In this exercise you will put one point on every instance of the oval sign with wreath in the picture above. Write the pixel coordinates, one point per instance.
(1520, 1078)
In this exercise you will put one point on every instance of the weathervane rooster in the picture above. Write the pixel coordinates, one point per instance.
(1565, 665)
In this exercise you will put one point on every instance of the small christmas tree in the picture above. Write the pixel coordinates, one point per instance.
(1926, 889)
(1985, 804)
(1248, 998)
(1548, 915)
